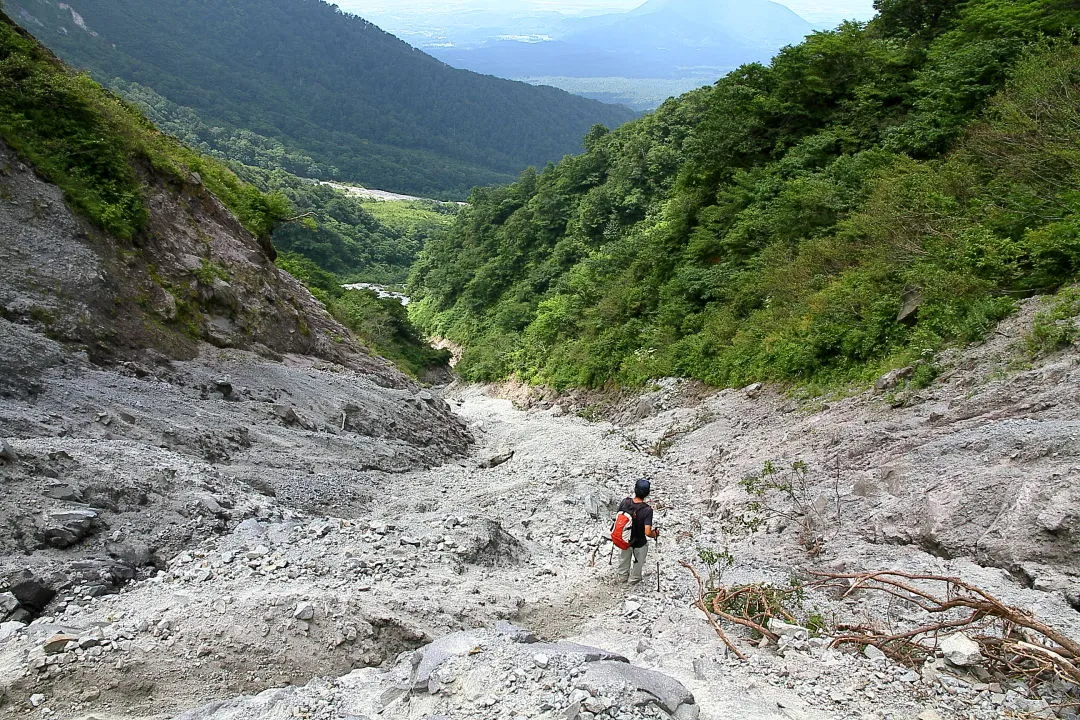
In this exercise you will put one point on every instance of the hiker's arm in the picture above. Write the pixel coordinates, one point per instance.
(649, 532)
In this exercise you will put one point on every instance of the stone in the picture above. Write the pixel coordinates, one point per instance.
(631, 606)
(874, 653)
(670, 694)
(753, 390)
(8, 604)
(58, 643)
(496, 460)
(893, 378)
(63, 492)
(31, 593)
(135, 554)
(784, 629)
(37, 700)
(912, 301)
(589, 653)
(540, 660)
(428, 658)
(929, 715)
(64, 528)
(960, 650)
(7, 629)
(7, 453)
(517, 634)
(304, 611)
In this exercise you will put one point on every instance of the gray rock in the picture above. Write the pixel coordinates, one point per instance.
(960, 650)
(591, 654)
(250, 528)
(784, 629)
(893, 378)
(64, 528)
(517, 634)
(874, 653)
(670, 694)
(304, 611)
(135, 554)
(496, 460)
(32, 594)
(7, 629)
(752, 391)
(64, 492)
(434, 654)
(8, 604)
(7, 453)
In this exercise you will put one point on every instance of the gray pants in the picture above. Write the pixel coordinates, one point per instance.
(637, 555)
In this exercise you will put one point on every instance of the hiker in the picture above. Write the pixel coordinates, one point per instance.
(632, 559)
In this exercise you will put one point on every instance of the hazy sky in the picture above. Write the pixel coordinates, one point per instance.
(828, 12)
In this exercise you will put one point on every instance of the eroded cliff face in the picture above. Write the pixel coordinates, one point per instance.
(193, 275)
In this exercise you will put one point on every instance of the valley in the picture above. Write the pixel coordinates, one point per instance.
(310, 560)
(828, 307)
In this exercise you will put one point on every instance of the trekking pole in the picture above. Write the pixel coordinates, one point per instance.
(657, 541)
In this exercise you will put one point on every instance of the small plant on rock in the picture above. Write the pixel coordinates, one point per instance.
(718, 562)
(788, 494)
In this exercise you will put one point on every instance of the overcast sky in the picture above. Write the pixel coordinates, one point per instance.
(821, 12)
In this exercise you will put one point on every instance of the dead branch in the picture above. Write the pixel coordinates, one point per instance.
(1039, 649)
(700, 604)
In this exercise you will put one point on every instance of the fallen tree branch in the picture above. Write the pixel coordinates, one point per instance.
(1009, 636)
(700, 604)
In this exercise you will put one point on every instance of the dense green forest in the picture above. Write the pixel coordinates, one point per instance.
(873, 195)
(97, 149)
(298, 85)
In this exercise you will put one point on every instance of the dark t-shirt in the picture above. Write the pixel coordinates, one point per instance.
(642, 514)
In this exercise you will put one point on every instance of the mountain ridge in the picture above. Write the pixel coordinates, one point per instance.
(660, 38)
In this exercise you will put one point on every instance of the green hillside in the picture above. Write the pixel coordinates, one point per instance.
(875, 194)
(298, 85)
(103, 153)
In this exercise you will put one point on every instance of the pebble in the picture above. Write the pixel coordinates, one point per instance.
(304, 611)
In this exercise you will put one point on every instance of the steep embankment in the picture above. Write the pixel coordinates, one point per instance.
(147, 342)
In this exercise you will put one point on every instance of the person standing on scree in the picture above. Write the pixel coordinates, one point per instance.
(632, 559)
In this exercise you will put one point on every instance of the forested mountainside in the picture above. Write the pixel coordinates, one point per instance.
(875, 194)
(166, 248)
(318, 92)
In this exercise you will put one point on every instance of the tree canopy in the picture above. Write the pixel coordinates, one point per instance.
(874, 194)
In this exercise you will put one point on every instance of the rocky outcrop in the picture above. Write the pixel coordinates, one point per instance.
(571, 681)
(193, 275)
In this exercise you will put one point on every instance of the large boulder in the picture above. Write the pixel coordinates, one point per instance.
(64, 528)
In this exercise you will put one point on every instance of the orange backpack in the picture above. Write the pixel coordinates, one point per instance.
(622, 528)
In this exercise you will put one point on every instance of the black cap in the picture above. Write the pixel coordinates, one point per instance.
(642, 488)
